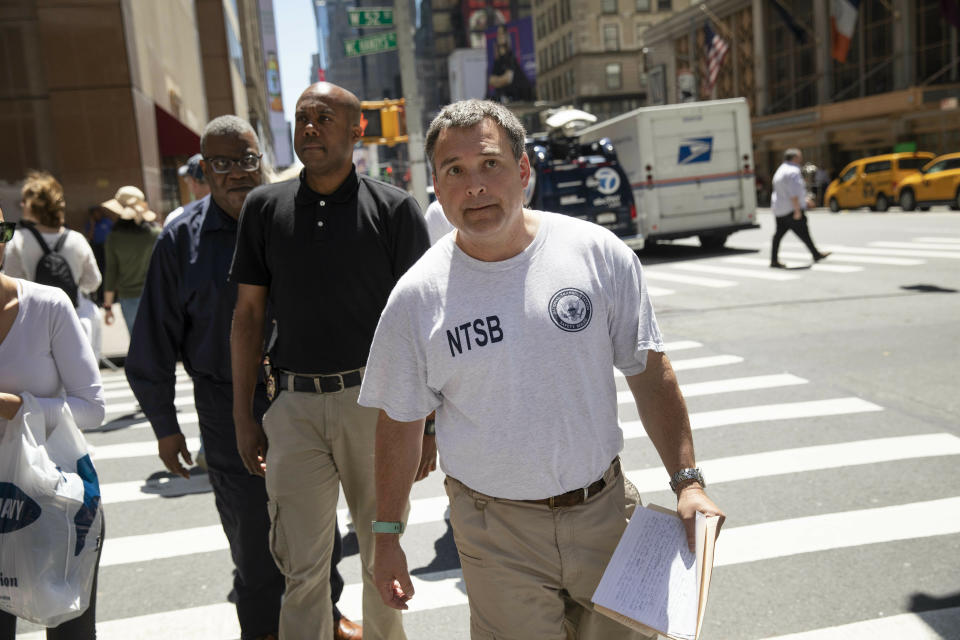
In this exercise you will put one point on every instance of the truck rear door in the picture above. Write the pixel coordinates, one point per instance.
(697, 163)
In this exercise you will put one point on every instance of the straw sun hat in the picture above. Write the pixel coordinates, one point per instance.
(130, 204)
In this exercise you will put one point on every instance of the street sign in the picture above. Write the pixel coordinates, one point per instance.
(378, 43)
(371, 17)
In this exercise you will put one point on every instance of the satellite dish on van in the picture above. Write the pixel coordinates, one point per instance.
(568, 122)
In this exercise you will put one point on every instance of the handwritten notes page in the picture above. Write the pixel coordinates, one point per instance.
(653, 581)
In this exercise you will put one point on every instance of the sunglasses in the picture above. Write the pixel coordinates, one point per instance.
(6, 231)
(222, 164)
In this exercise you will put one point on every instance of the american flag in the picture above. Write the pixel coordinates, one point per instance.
(717, 49)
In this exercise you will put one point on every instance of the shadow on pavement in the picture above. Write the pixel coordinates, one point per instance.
(168, 485)
(659, 253)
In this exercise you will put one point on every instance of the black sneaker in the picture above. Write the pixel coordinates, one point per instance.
(821, 256)
(777, 265)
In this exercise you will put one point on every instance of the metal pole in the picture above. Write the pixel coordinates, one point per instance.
(413, 100)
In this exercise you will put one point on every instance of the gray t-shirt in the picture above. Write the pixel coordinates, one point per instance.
(517, 357)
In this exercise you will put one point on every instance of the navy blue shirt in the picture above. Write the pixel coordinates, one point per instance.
(185, 311)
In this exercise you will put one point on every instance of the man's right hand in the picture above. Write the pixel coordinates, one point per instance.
(170, 448)
(251, 444)
(390, 573)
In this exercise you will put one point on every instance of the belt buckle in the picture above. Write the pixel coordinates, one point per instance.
(337, 376)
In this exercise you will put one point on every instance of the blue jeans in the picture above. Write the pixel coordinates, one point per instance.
(129, 306)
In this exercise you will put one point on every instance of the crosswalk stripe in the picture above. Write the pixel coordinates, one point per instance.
(121, 393)
(659, 292)
(713, 283)
(211, 622)
(681, 345)
(804, 459)
(843, 257)
(906, 253)
(134, 449)
(737, 545)
(760, 262)
(740, 273)
(705, 362)
(928, 625)
(764, 413)
(124, 408)
(748, 467)
(841, 530)
(183, 418)
(913, 245)
(938, 240)
(727, 385)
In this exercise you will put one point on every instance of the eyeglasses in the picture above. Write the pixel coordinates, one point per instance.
(6, 231)
(222, 164)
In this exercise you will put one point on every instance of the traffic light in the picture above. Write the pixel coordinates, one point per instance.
(383, 122)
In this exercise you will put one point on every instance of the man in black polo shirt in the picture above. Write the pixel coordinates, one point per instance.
(326, 250)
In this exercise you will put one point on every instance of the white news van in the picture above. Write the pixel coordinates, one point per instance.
(690, 167)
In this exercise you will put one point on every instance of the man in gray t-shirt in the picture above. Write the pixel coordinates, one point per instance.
(510, 328)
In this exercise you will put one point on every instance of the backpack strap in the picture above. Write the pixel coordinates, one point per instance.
(40, 240)
(60, 241)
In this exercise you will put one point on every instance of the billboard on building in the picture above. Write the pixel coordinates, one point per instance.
(511, 62)
(480, 15)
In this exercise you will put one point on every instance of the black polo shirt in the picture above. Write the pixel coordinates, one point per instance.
(329, 261)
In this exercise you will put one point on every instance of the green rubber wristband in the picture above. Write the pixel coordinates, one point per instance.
(387, 527)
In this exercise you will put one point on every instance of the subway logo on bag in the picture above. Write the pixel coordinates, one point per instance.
(17, 509)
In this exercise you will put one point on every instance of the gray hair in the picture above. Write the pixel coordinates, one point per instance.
(225, 126)
(469, 113)
(791, 154)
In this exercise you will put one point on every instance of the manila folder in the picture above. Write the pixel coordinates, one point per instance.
(653, 583)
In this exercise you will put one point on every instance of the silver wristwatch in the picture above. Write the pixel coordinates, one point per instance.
(683, 475)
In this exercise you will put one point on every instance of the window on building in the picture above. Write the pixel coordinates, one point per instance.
(868, 69)
(933, 52)
(643, 5)
(569, 40)
(611, 37)
(554, 18)
(565, 12)
(570, 82)
(613, 73)
(609, 6)
(664, 5)
(791, 68)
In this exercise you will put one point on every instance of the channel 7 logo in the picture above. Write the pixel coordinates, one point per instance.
(695, 150)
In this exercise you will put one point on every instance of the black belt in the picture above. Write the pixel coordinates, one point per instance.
(331, 383)
(577, 496)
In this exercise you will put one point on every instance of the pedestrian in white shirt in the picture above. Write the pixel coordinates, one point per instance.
(789, 204)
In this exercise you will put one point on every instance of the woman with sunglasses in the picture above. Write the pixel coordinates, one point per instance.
(44, 351)
(43, 213)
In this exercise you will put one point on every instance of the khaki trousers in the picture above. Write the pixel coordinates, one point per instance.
(530, 570)
(317, 441)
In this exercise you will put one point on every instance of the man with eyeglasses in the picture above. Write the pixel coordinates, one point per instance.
(326, 250)
(185, 312)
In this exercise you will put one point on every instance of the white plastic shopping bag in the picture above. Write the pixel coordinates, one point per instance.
(50, 517)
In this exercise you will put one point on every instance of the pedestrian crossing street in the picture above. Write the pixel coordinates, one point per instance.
(774, 447)
(666, 279)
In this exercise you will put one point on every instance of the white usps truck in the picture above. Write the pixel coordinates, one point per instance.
(690, 167)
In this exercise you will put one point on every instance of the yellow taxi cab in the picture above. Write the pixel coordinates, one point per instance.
(938, 182)
(871, 182)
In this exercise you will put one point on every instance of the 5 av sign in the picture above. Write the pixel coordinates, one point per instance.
(371, 17)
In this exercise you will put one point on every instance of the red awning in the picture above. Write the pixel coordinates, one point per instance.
(173, 137)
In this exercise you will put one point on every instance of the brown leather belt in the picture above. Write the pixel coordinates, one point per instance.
(577, 496)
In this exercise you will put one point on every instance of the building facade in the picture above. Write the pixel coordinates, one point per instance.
(897, 88)
(106, 93)
(590, 53)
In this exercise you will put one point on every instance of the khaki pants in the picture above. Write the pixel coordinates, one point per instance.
(317, 441)
(530, 570)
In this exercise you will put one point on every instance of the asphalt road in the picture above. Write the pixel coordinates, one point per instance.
(825, 410)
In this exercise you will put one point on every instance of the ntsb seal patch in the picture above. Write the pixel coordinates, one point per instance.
(570, 309)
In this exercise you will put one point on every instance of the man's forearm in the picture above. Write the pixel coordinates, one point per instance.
(397, 457)
(246, 351)
(663, 412)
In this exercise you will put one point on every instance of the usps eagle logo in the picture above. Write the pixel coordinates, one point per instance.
(571, 310)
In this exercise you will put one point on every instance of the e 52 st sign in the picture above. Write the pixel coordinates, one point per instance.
(370, 44)
(371, 17)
